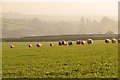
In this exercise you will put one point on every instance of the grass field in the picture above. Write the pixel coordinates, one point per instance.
(98, 60)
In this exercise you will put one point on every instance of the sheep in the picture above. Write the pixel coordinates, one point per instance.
(90, 41)
(30, 45)
(113, 40)
(11, 46)
(107, 40)
(60, 43)
(78, 42)
(65, 43)
(119, 40)
(70, 43)
(51, 44)
(82, 42)
(39, 45)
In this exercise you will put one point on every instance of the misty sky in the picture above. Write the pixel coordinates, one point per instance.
(77, 7)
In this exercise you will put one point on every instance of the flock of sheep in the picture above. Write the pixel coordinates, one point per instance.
(78, 42)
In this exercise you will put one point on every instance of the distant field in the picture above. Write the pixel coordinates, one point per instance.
(77, 61)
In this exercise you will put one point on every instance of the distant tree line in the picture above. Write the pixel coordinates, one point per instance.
(62, 37)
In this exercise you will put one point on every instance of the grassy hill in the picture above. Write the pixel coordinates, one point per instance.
(19, 25)
(14, 29)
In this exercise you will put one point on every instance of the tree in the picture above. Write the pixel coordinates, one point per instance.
(109, 32)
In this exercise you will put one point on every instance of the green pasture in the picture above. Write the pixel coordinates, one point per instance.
(98, 60)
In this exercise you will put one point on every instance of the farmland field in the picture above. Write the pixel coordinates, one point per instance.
(98, 60)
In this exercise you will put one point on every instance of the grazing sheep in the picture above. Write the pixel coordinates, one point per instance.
(119, 40)
(60, 43)
(78, 42)
(11, 46)
(107, 40)
(65, 43)
(39, 45)
(113, 40)
(90, 41)
(70, 43)
(51, 44)
(82, 42)
(30, 45)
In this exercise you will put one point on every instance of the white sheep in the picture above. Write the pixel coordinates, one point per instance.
(65, 43)
(78, 42)
(82, 42)
(70, 43)
(107, 40)
(11, 46)
(113, 40)
(90, 41)
(30, 45)
(39, 45)
(60, 43)
(51, 44)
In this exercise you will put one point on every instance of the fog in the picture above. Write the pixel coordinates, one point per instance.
(59, 18)
(62, 8)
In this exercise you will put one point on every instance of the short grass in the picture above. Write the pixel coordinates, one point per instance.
(98, 60)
